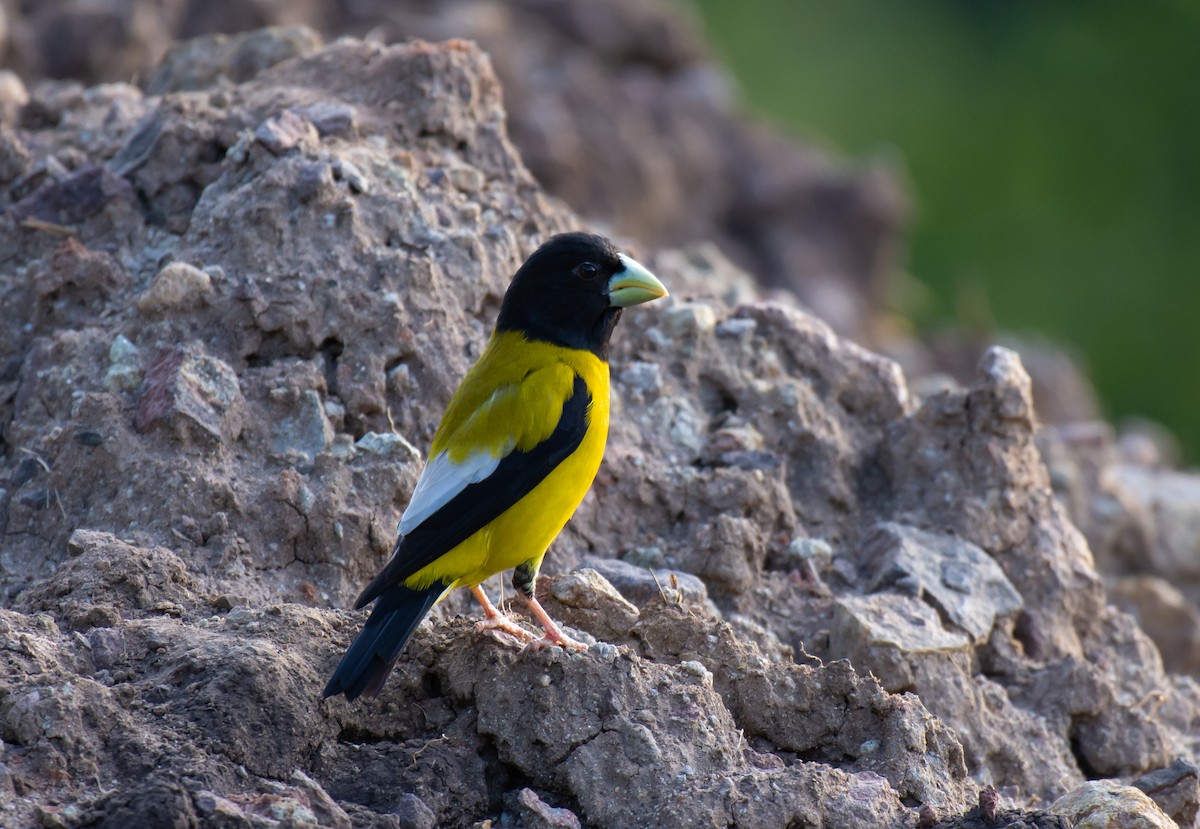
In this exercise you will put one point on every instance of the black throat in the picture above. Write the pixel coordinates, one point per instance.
(535, 326)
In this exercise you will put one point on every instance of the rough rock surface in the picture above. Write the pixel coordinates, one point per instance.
(616, 107)
(822, 599)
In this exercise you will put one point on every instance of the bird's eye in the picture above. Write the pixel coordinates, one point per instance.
(587, 270)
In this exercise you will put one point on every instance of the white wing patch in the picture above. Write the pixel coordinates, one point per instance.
(442, 478)
(440, 481)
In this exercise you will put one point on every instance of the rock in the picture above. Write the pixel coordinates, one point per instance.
(1167, 616)
(13, 96)
(641, 584)
(819, 711)
(308, 432)
(178, 286)
(537, 814)
(1106, 804)
(962, 582)
(883, 633)
(330, 118)
(286, 131)
(193, 493)
(686, 319)
(990, 815)
(217, 811)
(414, 814)
(631, 751)
(392, 445)
(106, 572)
(162, 800)
(75, 285)
(1170, 501)
(14, 156)
(125, 370)
(588, 601)
(323, 808)
(195, 395)
(643, 378)
(74, 199)
(200, 62)
(1176, 790)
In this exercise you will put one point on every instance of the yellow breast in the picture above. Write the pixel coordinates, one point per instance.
(525, 530)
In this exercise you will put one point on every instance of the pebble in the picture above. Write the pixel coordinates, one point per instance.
(816, 550)
(642, 377)
(308, 431)
(12, 89)
(736, 327)
(125, 369)
(329, 118)
(697, 669)
(286, 131)
(689, 318)
(387, 443)
(346, 171)
(466, 179)
(177, 286)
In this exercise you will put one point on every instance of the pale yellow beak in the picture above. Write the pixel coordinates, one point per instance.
(633, 285)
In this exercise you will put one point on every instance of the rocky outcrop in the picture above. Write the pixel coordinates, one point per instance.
(239, 303)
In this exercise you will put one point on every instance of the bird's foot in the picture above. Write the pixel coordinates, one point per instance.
(498, 623)
(554, 635)
(505, 630)
(560, 640)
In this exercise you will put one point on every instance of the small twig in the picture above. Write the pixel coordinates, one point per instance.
(1157, 697)
(41, 461)
(662, 593)
(419, 751)
(47, 227)
(806, 655)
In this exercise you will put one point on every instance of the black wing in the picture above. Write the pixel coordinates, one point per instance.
(470, 510)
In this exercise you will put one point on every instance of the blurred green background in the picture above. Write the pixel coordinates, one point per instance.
(1053, 151)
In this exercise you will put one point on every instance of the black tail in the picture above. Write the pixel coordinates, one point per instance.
(373, 653)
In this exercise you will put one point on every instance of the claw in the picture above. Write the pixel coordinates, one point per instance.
(554, 635)
(504, 628)
(561, 641)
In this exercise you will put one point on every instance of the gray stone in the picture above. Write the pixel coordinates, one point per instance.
(1176, 790)
(888, 620)
(1171, 502)
(330, 118)
(958, 578)
(412, 813)
(589, 601)
(387, 444)
(307, 432)
(125, 369)
(642, 584)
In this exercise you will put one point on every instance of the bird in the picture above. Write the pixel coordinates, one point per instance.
(516, 451)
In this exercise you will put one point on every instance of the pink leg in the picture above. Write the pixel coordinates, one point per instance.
(495, 620)
(554, 634)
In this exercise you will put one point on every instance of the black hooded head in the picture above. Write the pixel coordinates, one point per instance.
(570, 292)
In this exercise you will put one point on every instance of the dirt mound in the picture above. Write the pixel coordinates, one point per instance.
(237, 312)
